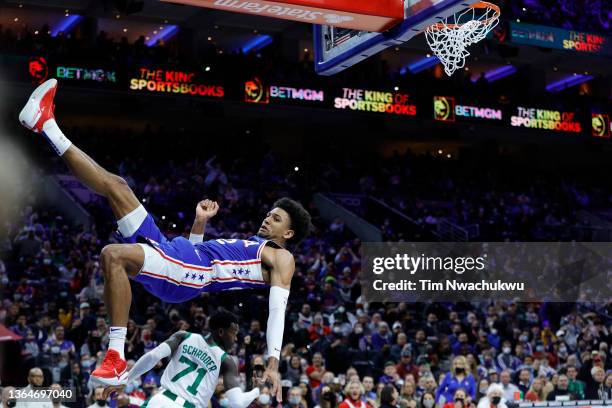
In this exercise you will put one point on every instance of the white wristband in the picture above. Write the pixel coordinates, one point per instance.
(196, 238)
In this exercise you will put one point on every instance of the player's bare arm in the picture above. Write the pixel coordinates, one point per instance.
(205, 210)
(149, 360)
(231, 383)
(282, 267)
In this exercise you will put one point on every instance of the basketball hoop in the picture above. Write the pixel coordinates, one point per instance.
(450, 38)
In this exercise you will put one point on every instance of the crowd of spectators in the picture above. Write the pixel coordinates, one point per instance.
(338, 349)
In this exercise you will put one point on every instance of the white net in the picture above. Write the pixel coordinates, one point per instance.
(450, 38)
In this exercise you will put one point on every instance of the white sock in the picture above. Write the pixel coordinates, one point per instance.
(116, 337)
(59, 142)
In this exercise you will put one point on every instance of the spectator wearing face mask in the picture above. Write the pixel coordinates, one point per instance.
(98, 398)
(494, 398)
(264, 400)
(428, 400)
(223, 400)
(505, 360)
(295, 399)
(457, 378)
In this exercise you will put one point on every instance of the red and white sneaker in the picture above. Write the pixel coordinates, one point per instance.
(39, 107)
(112, 371)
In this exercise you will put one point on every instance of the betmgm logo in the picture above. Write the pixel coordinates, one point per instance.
(444, 108)
(600, 125)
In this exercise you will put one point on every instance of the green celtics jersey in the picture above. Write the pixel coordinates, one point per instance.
(193, 370)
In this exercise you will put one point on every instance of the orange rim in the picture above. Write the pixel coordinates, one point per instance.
(479, 5)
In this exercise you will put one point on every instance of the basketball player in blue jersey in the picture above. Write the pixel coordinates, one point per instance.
(194, 367)
(180, 269)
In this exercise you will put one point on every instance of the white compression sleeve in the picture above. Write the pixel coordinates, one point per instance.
(239, 399)
(276, 320)
(196, 238)
(148, 361)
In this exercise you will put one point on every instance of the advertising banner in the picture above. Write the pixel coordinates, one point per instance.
(560, 39)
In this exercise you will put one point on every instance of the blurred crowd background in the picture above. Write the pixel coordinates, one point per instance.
(336, 345)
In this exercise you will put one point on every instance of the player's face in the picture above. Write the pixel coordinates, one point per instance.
(230, 336)
(276, 225)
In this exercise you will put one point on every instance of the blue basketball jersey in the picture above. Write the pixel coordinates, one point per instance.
(177, 270)
(236, 263)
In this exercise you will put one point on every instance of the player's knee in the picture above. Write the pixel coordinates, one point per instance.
(114, 183)
(110, 257)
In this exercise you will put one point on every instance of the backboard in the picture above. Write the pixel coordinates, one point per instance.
(339, 48)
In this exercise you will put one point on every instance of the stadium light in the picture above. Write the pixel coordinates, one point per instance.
(499, 73)
(163, 35)
(568, 82)
(257, 43)
(67, 24)
(420, 65)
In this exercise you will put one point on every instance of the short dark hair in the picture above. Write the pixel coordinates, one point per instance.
(386, 395)
(299, 218)
(222, 319)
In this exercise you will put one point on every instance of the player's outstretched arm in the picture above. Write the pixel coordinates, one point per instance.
(150, 359)
(282, 272)
(205, 210)
(231, 382)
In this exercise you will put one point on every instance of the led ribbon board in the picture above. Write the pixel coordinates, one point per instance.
(446, 110)
(391, 103)
(175, 82)
(256, 91)
(546, 119)
(560, 39)
(86, 74)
